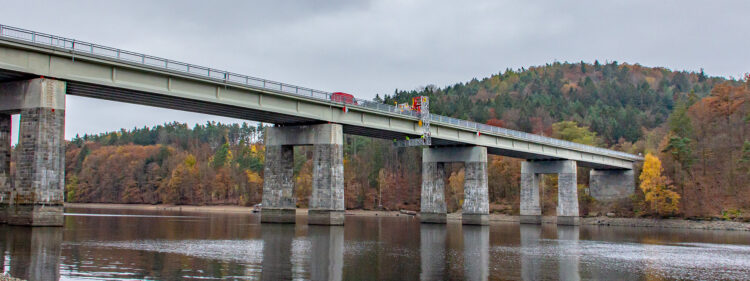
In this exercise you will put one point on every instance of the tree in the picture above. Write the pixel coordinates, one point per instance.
(658, 191)
(570, 131)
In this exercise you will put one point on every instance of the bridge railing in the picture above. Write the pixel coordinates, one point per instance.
(74, 46)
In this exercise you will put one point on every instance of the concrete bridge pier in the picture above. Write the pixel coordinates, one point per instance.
(567, 191)
(608, 185)
(36, 197)
(327, 202)
(476, 198)
(5, 188)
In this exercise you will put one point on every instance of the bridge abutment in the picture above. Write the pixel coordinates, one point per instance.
(327, 202)
(608, 185)
(567, 191)
(475, 209)
(37, 195)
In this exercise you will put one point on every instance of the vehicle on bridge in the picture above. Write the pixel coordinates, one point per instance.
(343, 97)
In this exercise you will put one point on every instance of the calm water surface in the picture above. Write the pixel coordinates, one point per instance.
(112, 244)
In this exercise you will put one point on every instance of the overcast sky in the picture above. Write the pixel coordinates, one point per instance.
(369, 47)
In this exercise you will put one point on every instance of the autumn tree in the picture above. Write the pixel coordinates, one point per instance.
(658, 191)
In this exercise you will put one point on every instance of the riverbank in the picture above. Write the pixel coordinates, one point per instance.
(602, 221)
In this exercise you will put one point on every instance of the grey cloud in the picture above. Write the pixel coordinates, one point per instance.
(368, 47)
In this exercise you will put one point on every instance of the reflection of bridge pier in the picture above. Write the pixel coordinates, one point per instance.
(567, 238)
(34, 252)
(432, 251)
(327, 252)
(476, 252)
(531, 265)
(277, 251)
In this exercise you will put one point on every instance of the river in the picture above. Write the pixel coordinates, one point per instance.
(106, 244)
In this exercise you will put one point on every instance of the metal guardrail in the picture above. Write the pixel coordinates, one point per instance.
(81, 47)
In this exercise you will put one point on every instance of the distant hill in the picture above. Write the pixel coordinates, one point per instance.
(614, 100)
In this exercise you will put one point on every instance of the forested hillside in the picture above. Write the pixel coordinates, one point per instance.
(695, 126)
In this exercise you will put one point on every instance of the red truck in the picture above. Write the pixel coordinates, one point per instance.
(343, 97)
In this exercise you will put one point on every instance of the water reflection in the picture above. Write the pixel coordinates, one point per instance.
(327, 252)
(277, 251)
(531, 265)
(476, 252)
(432, 251)
(31, 253)
(567, 239)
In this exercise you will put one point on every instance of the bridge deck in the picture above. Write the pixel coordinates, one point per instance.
(107, 73)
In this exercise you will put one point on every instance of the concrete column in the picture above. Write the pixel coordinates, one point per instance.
(38, 194)
(5, 187)
(476, 208)
(531, 210)
(432, 205)
(327, 202)
(279, 202)
(567, 190)
(607, 185)
(476, 200)
(567, 195)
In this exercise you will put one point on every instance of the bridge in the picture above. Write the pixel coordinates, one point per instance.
(38, 70)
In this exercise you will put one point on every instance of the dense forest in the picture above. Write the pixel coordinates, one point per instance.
(693, 125)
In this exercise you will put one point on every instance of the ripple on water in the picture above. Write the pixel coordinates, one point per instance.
(679, 261)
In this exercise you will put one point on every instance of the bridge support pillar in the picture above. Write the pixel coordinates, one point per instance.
(432, 205)
(567, 191)
(36, 199)
(476, 200)
(608, 185)
(5, 188)
(327, 202)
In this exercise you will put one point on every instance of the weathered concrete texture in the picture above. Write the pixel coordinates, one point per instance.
(454, 154)
(531, 210)
(606, 185)
(5, 177)
(278, 185)
(567, 195)
(278, 215)
(432, 204)
(440, 218)
(327, 202)
(37, 195)
(476, 198)
(328, 178)
(476, 208)
(325, 217)
(305, 135)
(432, 251)
(476, 252)
(327, 252)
